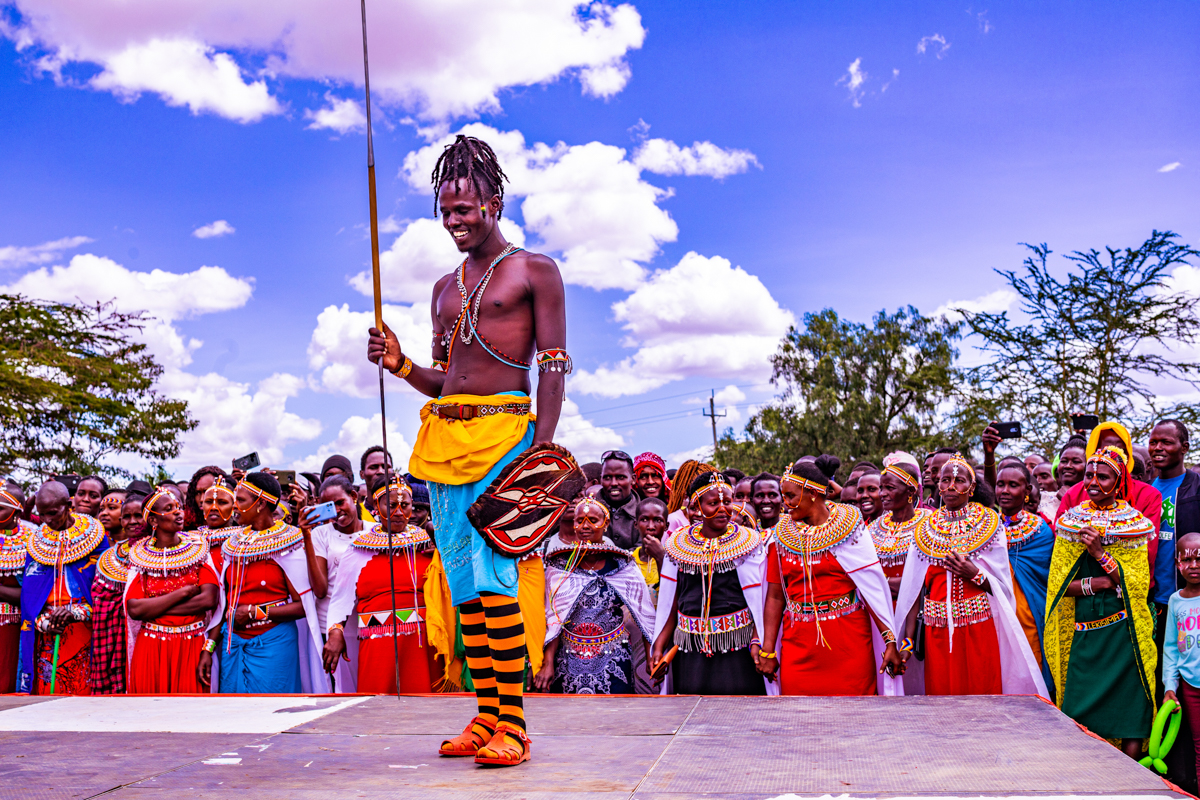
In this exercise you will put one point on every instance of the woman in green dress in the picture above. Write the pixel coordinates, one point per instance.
(1099, 635)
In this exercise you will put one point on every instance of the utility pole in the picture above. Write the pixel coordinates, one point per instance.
(712, 414)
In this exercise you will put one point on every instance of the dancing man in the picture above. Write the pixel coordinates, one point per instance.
(489, 317)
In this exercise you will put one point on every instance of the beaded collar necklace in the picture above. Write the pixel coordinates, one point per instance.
(557, 547)
(12, 552)
(113, 565)
(1020, 528)
(1120, 523)
(176, 560)
(375, 538)
(217, 537)
(247, 544)
(966, 531)
(892, 539)
(815, 540)
(46, 545)
(694, 553)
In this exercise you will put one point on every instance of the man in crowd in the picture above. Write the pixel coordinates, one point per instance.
(374, 462)
(766, 499)
(616, 490)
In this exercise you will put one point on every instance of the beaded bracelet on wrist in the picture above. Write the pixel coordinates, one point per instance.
(404, 369)
(905, 646)
(888, 636)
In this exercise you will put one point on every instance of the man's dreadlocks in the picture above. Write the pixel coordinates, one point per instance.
(471, 159)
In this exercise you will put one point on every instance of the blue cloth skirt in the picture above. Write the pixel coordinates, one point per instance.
(267, 664)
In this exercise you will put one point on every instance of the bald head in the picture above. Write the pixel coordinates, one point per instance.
(54, 505)
(1189, 541)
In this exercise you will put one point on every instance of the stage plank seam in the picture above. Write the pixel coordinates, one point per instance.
(666, 749)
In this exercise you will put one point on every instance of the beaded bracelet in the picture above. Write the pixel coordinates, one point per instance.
(888, 636)
(1107, 563)
(979, 578)
(405, 368)
(1085, 586)
(765, 654)
(210, 645)
(755, 641)
(337, 626)
(905, 646)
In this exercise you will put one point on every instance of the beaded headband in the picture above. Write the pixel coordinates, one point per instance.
(8, 501)
(148, 506)
(591, 502)
(218, 487)
(955, 462)
(259, 493)
(717, 482)
(903, 475)
(804, 483)
(393, 484)
(1111, 457)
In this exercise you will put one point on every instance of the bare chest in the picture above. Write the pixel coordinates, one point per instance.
(464, 303)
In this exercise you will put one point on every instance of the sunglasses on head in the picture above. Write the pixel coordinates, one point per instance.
(617, 455)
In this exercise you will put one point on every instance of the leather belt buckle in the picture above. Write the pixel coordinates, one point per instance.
(467, 413)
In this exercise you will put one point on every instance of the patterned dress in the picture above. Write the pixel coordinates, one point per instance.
(593, 656)
(109, 632)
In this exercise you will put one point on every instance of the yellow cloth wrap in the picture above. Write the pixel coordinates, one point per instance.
(455, 452)
(1025, 617)
(531, 597)
(365, 515)
(440, 623)
(647, 565)
(1134, 579)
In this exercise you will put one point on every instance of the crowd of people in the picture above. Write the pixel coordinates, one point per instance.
(1077, 579)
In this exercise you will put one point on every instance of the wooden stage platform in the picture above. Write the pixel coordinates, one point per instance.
(653, 748)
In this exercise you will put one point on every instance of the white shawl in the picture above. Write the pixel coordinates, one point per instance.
(563, 590)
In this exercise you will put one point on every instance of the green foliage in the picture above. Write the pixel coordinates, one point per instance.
(857, 391)
(76, 390)
(1093, 343)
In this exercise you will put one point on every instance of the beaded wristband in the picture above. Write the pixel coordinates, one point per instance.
(979, 578)
(888, 636)
(337, 626)
(755, 641)
(1085, 586)
(905, 646)
(210, 645)
(765, 654)
(405, 368)
(1108, 563)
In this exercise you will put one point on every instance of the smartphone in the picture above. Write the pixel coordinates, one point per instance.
(1008, 430)
(1084, 422)
(324, 512)
(247, 463)
(70, 481)
(286, 477)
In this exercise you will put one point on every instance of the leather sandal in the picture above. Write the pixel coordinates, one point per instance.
(509, 746)
(468, 742)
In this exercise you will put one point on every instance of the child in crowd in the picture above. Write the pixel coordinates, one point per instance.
(1181, 651)
(651, 524)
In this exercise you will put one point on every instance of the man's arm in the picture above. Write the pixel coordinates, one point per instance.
(550, 331)
(386, 346)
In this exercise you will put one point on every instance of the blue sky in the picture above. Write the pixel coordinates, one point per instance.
(967, 130)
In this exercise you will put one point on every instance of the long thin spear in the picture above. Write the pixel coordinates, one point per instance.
(387, 465)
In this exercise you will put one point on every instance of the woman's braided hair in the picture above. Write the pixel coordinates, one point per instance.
(473, 160)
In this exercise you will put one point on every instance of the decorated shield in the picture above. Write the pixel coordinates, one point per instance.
(525, 501)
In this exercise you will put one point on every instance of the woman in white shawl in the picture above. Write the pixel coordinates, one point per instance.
(958, 584)
(589, 583)
(836, 636)
(710, 599)
(267, 638)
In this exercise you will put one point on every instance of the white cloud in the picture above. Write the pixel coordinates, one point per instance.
(895, 77)
(356, 435)
(935, 44)
(419, 256)
(702, 158)
(15, 256)
(702, 453)
(585, 440)
(235, 421)
(338, 347)
(389, 224)
(725, 402)
(701, 317)
(213, 230)
(853, 80)
(587, 203)
(985, 25)
(442, 58)
(167, 296)
(185, 72)
(1174, 165)
(340, 114)
(990, 303)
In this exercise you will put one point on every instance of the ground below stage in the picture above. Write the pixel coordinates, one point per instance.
(660, 748)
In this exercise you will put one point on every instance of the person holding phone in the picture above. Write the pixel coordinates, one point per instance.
(363, 622)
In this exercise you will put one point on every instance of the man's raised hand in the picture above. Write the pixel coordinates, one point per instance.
(384, 346)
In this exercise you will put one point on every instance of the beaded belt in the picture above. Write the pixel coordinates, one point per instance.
(469, 412)
(9, 614)
(589, 646)
(966, 612)
(193, 630)
(715, 634)
(823, 610)
(1097, 624)
(378, 624)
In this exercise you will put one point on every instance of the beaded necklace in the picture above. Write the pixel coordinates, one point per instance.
(245, 544)
(12, 551)
(693, 553)
(217, 537)
(49, 547)
(167, 561)
(113, 565)
(970, 529)
(1120, 523)
(892, 539)
(816, 540)
(374, 537)
(466, 326)
(1020, 528)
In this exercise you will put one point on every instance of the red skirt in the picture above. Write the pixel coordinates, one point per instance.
(74, 661)
(973, 667)
(10, 641)
(846, 667)
(377, 665)
(165, 665)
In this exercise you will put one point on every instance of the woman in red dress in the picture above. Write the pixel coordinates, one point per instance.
(170, 592)
(826, 588)
(362, 602)
(216, 504)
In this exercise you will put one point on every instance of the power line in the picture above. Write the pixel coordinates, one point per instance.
(668, 397)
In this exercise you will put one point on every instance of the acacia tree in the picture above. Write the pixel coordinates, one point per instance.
(75, 389)
(1092, 343)
(856, 391)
